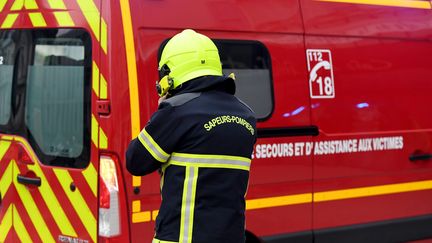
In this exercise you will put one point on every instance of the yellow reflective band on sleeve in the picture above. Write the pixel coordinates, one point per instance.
(6, 223)
(210, 161)
(37, 20)
(64, 19)
(188, 204)
(9, 21)
(152, 147)
(20, 228)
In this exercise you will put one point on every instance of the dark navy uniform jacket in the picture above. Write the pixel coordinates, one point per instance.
(201, 141)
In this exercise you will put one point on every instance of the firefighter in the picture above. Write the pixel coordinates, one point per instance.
(200, 140)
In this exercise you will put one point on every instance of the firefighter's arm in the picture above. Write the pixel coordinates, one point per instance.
(138, 161)
(154, 144)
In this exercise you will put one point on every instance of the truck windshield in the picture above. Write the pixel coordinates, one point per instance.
(45, 92)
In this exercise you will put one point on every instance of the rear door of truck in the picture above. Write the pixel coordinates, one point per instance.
(49, 138)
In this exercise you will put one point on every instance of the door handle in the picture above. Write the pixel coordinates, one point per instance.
(415, 157)
(29, 180)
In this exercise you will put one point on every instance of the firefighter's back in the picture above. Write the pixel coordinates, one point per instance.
(206, 178)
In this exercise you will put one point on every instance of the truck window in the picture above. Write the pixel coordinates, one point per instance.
(56, 109)
(7, 60)
(250, 62)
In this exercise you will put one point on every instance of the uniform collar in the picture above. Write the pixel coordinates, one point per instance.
(207, 83)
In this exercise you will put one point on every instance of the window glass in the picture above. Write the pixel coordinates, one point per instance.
(57, 99)
(250, 62)
(7, 60)
(45, 92)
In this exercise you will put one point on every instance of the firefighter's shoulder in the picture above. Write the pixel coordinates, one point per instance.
(180, 99)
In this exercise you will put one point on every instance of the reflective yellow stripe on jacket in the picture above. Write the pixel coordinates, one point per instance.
(210, 161)
(193, 162)
(188, 204)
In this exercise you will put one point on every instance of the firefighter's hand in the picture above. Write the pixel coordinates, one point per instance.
(162, 99)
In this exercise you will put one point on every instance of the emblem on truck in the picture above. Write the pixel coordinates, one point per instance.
(320, 68)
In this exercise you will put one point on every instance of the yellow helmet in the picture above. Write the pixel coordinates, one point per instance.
(186, 56)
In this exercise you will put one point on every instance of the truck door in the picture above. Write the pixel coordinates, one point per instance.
(370, 85)
(45, 116)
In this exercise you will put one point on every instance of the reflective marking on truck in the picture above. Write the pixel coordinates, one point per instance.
(325, 196)
(320, 68)
(419, 4)
(131, 68)
(6, 225)
(327, 147)
(95, 21)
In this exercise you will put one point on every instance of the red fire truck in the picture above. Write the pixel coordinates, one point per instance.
(341, 89)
